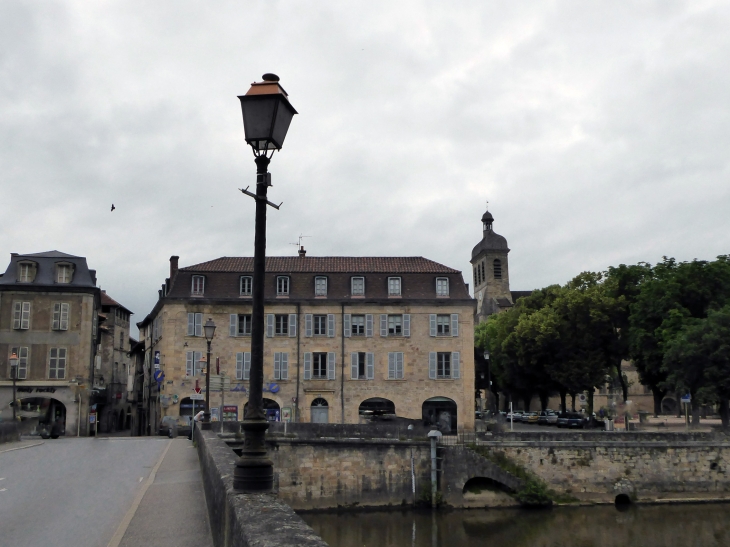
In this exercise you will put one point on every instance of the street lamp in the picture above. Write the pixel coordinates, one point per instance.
(489, 379)
(267, 114)
(209, 329)
(14, 375)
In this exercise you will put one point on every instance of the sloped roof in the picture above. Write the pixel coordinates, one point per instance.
(107, 300)
(51, 254)
(328, 264)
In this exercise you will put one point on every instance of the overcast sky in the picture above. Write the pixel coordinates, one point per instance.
(598, 131)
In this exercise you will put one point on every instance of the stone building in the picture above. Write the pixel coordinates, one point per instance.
(49, 306)
(347, 338)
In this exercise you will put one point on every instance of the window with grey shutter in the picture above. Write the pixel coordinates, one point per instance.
(391, 366)
(455, 365)
(406, 324)
(307, 365)
(432, 365)
(331, 325)
(308, 325)
(370, 366)
(247, 365)
(64, 316)
(354, 373)
(56, 323)
(454, 324)
(383, 325)
(239, 366)
(270, 325)
(331, 365)
(346, 325)
(189, 368)
(25, 317)
(369, 325)
(197, 367)
(17, 314)
(198, 324)
(399, 365)
(284, 366)
(432, 323)
(233, 327)
(292, 325)
(277, 366)
(191, 325)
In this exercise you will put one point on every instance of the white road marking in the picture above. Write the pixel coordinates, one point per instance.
(3, 489)
(2, 478)
(140, 479)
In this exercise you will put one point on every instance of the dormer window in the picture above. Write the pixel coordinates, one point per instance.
(282, 286)
(26, 272)
(246, 285)
(320, 286)
(198, 287)
(64, 273)
(394, 286)
(442, 286)
(358, 286)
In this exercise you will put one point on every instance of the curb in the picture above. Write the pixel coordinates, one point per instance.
(22, 447)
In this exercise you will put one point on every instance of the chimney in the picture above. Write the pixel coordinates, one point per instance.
(92, 273)
(173, 266)
(302, 252)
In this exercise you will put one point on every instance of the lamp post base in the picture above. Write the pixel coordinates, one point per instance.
(254, 471)
(206, 425)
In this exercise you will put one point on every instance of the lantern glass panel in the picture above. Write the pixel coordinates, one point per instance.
(258, 116)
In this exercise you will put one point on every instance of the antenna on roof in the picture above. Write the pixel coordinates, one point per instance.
(487, 205)
(300, 248)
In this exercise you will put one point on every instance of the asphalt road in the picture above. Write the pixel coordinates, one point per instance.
(72, 492)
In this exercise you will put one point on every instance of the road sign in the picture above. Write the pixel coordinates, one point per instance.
(686, 399)
(92, 418)
(197, 397)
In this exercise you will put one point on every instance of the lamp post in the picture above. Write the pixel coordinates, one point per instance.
(209, 329)
(267, 114)
(489, 379)
(14, 375)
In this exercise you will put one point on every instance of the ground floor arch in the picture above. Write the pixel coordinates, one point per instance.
(319, 411)
(441, 412)
(50, 413)
(669, 405)
(376, 407)
(272, 409)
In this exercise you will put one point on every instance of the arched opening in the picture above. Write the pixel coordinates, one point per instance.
(669, 405)
(622, 501)
(120, 420)
(190, 407)
(377, 408)
(481, 485)
(50, 413)
(441, 412)
(271, 409)
(497, 268)
(128, 423)
(319, 410)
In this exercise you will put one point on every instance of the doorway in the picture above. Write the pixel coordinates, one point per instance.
(319, 411)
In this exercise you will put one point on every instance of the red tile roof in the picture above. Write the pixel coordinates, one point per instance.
(326, 264)
(107, 300)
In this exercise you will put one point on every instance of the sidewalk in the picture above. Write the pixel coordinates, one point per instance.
(173, 510)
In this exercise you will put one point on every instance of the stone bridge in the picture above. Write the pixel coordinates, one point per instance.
(459, 464)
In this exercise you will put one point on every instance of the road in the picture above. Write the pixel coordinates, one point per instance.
(72, 492)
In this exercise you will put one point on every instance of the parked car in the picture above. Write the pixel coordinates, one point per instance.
(572, 419)
(515, 416)
(174, 425)
(545, 416)
(531, 417)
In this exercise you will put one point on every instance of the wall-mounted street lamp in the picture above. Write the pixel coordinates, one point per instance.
(14, 376)
(267, 114)
(209, 330)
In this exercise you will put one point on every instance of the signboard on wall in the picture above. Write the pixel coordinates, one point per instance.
(230, 413)
(157, 359)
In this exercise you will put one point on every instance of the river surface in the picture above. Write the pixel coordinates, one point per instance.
(604, 526)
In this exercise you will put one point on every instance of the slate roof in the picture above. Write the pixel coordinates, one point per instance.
(107, 300)
(326, 264)
(45, 276)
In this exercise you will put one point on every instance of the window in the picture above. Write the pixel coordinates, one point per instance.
(443, 325)
(319, 366)
(395, 325)
(244, 325)
(121, 340)
(282, 286)
(192, 362)
(497, 268)
(63, 273)
(21, 315)
(358, 286)
(198, 287)
(246, 285)
(26, 272)
(60, 316)
(243, 366)
(195, 324)
(484, 275)
(320, 325)
(442, 286)
(281, 366)
(443, 365)
(395, 365)
(320, 286)
(362, 366)
(281, 325)
(57, 364)
(394, 286)
(22, 370)
(476, 276)
(358, 325)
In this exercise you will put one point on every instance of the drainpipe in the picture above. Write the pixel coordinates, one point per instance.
(434, 434)
(342, 374)
(299, 332)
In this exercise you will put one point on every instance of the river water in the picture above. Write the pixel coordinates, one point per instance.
(602, 526)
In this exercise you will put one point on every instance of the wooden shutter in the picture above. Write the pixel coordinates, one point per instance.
(383, 325)
(233, 325)
(308, 365)
(369, 325)
(17, 314)
(391, 366)
(454, 324)
(270, 325)
(432, 323)
(292, 325)
(369, 366)
(277, 366)
(56, 324)
(284, 366)
(25, 318)
(331, 325)
(406, 324)
(198, 324)
(455, 365)
(239, 366)
(347, 330)
(247, 365)
(22, 363)
(399, 365)
(64, 316)
(354, 366)
(331, 365)
(191, 325)
(196, 362)
(308, 325)
(432, 365)
(189, 363)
